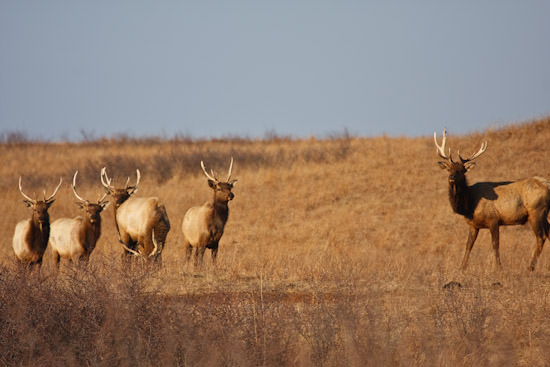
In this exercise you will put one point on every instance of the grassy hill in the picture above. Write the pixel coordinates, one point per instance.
(335, 253)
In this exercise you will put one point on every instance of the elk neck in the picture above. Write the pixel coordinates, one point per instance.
(460, 197)
(89, 233)
(221, 209)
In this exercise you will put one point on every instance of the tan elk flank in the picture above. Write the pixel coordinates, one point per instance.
(75, 238)
(30, 238)
(142, 223)
(203, 226)
(494, 204)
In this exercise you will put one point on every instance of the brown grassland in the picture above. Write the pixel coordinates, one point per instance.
(335, 254)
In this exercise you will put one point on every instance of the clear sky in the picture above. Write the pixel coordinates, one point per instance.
(245, 68)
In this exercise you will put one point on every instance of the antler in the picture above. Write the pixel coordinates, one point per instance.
(211, 177)
(73, 186)
(54, 192)
(25, 195)
(105, 180)
(135, 187)
(230, 169)
(441, 148)
(474, 156)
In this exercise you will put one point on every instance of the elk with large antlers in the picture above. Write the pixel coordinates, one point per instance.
(75, 238)
(30, 238)
(142, 223)
(203, 225)
(494, 204)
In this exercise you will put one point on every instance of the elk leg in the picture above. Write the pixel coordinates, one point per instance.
(472, 236)
(214, 253)
(199, 254)
(541, 233)
(495, 238)
(56, 259)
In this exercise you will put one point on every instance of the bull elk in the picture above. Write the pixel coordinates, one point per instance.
(494, 204)
(142, 223)
(203, 226)
(30, 238)
(75, 238)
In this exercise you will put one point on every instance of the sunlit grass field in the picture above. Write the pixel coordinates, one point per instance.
(335, 254)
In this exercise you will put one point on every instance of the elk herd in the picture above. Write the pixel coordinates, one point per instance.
(142, 223)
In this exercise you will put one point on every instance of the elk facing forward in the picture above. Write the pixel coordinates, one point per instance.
(76, 238)
(494, 204)
(30, 238)
(142, 223)
(203, 225)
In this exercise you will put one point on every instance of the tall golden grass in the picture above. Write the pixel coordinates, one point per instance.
(335, 253)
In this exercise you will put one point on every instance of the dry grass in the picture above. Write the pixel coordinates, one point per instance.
(335, 254)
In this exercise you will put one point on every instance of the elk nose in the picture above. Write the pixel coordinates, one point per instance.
(231, 196)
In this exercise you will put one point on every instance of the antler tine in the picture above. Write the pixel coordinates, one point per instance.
(25, 195)
(481, 150)
(74, 188)
(105, 180)
(134, 187)
(230, 170)
(55, 191)
(441, 148)
(100, 201)
(211, 177)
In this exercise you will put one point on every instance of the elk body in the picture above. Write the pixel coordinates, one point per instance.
(203, 226)
(494, 204)
(142, 223)
(30, 238)
(75, 238)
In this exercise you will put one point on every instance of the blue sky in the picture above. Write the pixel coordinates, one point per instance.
(244, 68)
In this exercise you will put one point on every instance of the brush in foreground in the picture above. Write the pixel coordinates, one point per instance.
(493, 204)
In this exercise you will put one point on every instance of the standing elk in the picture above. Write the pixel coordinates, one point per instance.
(494, 204)
(203, 226)
(76, 238)
(30, 238)
(142, 223)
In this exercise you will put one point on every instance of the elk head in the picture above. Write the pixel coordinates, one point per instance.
(40, 207)
(222, 189)
(119, 195)
(457, 170)
(93, 210)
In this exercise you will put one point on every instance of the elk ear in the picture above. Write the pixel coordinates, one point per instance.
(104, 204)
(28, 203)
(80, 204)
(444, 165)
(49, 203)
(469, 166)
(233, 183)
(211, 183)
